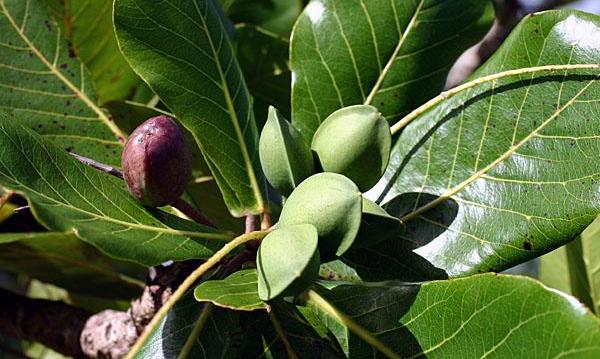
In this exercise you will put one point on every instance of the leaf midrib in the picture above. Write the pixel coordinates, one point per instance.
(456, 189)
(101, 115)
(232, 113)
(392, 59)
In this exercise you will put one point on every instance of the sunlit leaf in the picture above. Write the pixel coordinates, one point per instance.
(482, 316)
(47, 88)
(88, 27)
(393, 55)
(510, 160)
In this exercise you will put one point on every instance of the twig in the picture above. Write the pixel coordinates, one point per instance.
(507, 17)
(200, 323)
(351, 324)
(493, 77)
(548, 5)
(98, 165)
(509, 12)
(54, 324)
(5, 198)
(187, 284)
(250, 223)
(266, 221)
(193, 213)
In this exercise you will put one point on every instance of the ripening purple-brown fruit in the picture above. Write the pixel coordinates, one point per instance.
(157, 162)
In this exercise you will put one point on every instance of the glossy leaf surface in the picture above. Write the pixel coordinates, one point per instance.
(181, 49)
(47, 88)
(502, 172)
(393, 55)
(64, 260)
(483, 316)
(66, 195)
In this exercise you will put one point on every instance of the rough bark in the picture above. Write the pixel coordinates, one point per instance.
(78, 333)
(54, 324)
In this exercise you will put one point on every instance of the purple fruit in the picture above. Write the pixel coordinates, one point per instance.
(157, 162)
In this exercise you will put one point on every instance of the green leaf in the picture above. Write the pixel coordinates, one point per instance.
(554, 270)
(338, 271)
(306, 338)
(507, 159)
(476, 317)
(277, 16)
(64, 260)
(264, 59)
(239, 291)
(181, 49)
(220, 333)
(584, 266)
(66, 196)
(393, 55)
(208, 333)
(88, 27)
(47, 88)
(288, 261)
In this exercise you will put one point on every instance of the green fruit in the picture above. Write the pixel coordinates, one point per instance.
(287, 261)
(356, 142)
(376, 226)
(286, 159)
(330, 202)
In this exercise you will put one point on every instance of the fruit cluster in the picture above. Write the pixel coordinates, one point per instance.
(324, 213)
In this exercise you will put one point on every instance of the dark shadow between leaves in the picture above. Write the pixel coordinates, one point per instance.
(302, 335)
(387, 303)
(395, 259)
(220, 337)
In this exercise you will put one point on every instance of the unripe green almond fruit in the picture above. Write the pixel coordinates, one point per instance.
(157, 162)
(330, 202)
(287, 261)
(285, 158)
(376, 226)
(356, 142)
